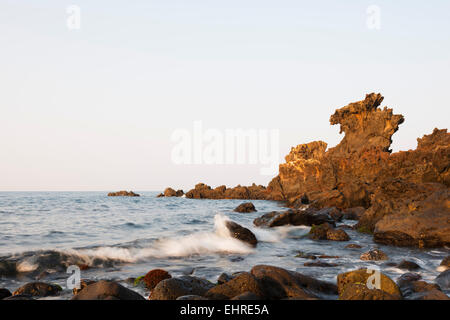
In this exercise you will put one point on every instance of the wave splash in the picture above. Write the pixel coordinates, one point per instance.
(217, 241)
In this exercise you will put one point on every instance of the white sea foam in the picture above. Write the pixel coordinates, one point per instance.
(218, 241)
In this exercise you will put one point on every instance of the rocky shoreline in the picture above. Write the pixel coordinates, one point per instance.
(400, 199)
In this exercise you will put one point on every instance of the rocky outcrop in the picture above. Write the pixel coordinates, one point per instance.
(169, 192)
(203, 191)
(239, 232)
(123, 193)
(245, 207)
(400, 191)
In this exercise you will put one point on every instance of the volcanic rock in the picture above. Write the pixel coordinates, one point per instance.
(171, 289)
(106, 290)
(123, 193)
(239, 232)
(245, 207)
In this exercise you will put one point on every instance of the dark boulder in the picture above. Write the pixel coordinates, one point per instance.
(239, 232)
(326, 231)
(107, 290)
(279, 283)
(4, 293)
(7, 268)
(245, 207)
(171, 289)
(306, 217)
(320, 264)
(408, 265)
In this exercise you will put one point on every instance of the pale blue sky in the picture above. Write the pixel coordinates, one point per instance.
(94, 109)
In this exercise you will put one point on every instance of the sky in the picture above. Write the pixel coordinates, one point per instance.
(95, 108)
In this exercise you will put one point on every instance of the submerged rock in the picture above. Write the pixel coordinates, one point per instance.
(408, 265)
(8, 268)
(106, 290)
(245, 207)
(123, 193)
(171, 289)
(38, 289)
(374, 254)
(239, 232)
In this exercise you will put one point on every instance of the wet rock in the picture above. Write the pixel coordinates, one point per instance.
(245, 207)
(304, 255)
(123, 193)
(414, 289)
(333, 212)
(306, 217)
(408, 265)
(7, 268)
(368, 278)
(244, 282)
(320, 264)
(362, 292)
(4, 293)
(246, 296)
(239, 232)
(445, 264)
(160, 195)
(107, 290)
(327, 232)
(83, 284)
(171, 289)
(443, 280)
(223, 278)
(337, 235)
(191, 297)
(353, 246)
(278, 283)
(38, 289)
(374, 254)
(353, 213)
(153, 277)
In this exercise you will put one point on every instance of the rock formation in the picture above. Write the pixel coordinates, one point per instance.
(123, 193)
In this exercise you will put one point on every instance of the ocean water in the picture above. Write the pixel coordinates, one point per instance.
(123, 237)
